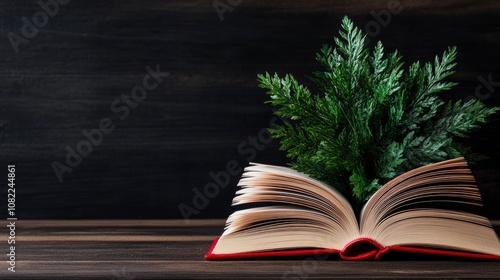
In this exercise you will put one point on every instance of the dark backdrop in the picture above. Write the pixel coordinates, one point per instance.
(209, 110)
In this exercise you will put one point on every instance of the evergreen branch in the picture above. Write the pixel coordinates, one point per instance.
(371, 120)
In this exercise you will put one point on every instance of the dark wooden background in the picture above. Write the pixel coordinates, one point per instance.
(89, 54)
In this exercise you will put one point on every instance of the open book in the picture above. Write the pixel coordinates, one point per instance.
(435, 209)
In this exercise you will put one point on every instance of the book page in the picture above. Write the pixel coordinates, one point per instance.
(436, 206)
(300, 212)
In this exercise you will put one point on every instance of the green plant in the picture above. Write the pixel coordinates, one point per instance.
(371, 120)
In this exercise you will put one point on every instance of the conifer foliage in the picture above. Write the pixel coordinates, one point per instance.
(371, 119)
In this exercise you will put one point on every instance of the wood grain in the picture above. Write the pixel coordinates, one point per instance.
(116, 249)
(66, 77)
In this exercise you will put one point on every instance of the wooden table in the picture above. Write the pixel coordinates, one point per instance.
(172, 249)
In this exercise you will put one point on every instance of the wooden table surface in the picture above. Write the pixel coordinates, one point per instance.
(172, 249)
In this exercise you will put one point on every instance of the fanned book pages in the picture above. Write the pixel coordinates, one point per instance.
(435, 209)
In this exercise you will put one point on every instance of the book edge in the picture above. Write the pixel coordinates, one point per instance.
(266, 254)
(438, 252)
(375, 254)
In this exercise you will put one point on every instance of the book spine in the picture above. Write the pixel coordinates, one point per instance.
(362, 248)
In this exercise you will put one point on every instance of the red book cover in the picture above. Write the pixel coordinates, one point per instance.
(356, 250)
